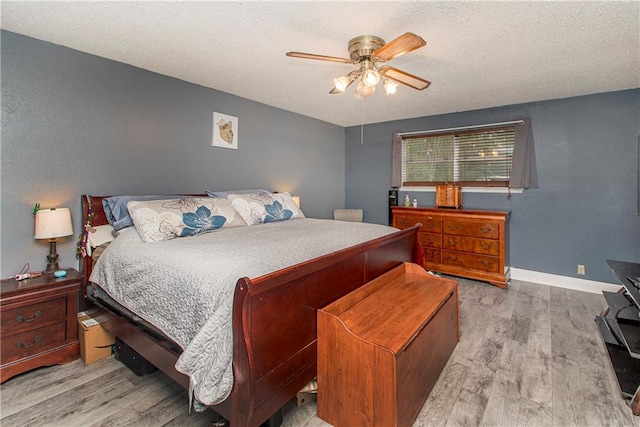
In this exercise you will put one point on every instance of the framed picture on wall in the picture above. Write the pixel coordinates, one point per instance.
(225, 131)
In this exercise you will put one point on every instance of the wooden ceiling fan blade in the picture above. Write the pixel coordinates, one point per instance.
(399, 46)
(319, 57)
(404, 78)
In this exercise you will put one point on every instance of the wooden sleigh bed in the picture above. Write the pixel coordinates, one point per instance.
(274, 350)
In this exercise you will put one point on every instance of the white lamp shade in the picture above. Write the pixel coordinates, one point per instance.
(52, 223)
(296, 200)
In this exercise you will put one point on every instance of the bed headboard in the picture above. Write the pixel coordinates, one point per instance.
(92, 215)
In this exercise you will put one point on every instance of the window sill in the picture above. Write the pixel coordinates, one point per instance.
(495, 190)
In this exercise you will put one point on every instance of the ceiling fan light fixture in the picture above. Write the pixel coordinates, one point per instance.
(390, 86)
(363, 90)
(371, 77)
(367, 52)
(341, 83)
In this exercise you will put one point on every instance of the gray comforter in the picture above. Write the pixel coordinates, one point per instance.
(185, 286)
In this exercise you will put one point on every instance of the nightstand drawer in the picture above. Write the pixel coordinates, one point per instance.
(33, 316)
(18, 346)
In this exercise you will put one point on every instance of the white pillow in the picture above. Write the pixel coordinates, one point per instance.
(257, 208)
(160, 220)
(99, 235)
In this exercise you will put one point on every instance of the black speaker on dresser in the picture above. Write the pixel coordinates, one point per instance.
(393, 201)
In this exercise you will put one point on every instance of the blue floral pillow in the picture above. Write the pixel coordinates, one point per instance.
(258, 208)
(160, 220)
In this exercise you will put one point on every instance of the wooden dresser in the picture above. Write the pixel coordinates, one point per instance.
(382, 347)
(39, 326)
(460, 242)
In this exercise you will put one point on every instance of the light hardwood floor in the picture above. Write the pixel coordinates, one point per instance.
(528, 356)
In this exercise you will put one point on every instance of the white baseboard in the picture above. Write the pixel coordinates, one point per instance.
(563, 281)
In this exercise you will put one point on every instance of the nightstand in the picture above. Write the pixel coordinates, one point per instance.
(39, 326)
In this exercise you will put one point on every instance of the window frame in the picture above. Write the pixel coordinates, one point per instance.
(455, 133)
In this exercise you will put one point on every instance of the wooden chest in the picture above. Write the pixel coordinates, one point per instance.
(466, 243)
(382, 347)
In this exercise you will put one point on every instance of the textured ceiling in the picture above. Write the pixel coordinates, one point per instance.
(478, 54)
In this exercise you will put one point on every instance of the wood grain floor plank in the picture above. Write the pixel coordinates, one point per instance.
(37, 385)
(437, 409)
(529, 356)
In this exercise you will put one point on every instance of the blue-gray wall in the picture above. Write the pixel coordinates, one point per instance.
(586, 207)
(74, 123)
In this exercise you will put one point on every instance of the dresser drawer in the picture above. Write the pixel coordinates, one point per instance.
(432, 255)
(485, 230)
(471, 244)
(18, 346)
(429, 224)
(33, 316)
(473, 261)
(431, 240)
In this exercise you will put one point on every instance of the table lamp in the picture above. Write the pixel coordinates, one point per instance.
(52, 224)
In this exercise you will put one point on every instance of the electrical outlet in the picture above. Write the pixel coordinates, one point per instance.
(581, 271)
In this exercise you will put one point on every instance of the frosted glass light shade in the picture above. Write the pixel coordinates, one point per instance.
(371, 77)
(53, 223)
(296, 200)
(390, 86)
(363, 90)
(341, 83)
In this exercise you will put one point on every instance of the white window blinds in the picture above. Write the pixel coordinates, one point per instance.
(471, 157)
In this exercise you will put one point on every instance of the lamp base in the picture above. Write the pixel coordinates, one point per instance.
(52, 258)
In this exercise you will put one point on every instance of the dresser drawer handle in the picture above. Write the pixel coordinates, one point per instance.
(452, 226)
(35, 341)
(485, 229)
(21, 318)
(431, 255)
(453, 258)
(486, 263)
(430, 240)
(452, 242)
(403, 222)
(486, 246)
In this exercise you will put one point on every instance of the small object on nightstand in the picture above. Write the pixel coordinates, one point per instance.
(60, 273)
(25, 276)
(407, 201)
(415, 203)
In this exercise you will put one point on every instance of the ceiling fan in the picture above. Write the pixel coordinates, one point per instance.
(368, 52)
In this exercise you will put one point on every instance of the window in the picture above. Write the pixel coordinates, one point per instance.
(472, 158)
